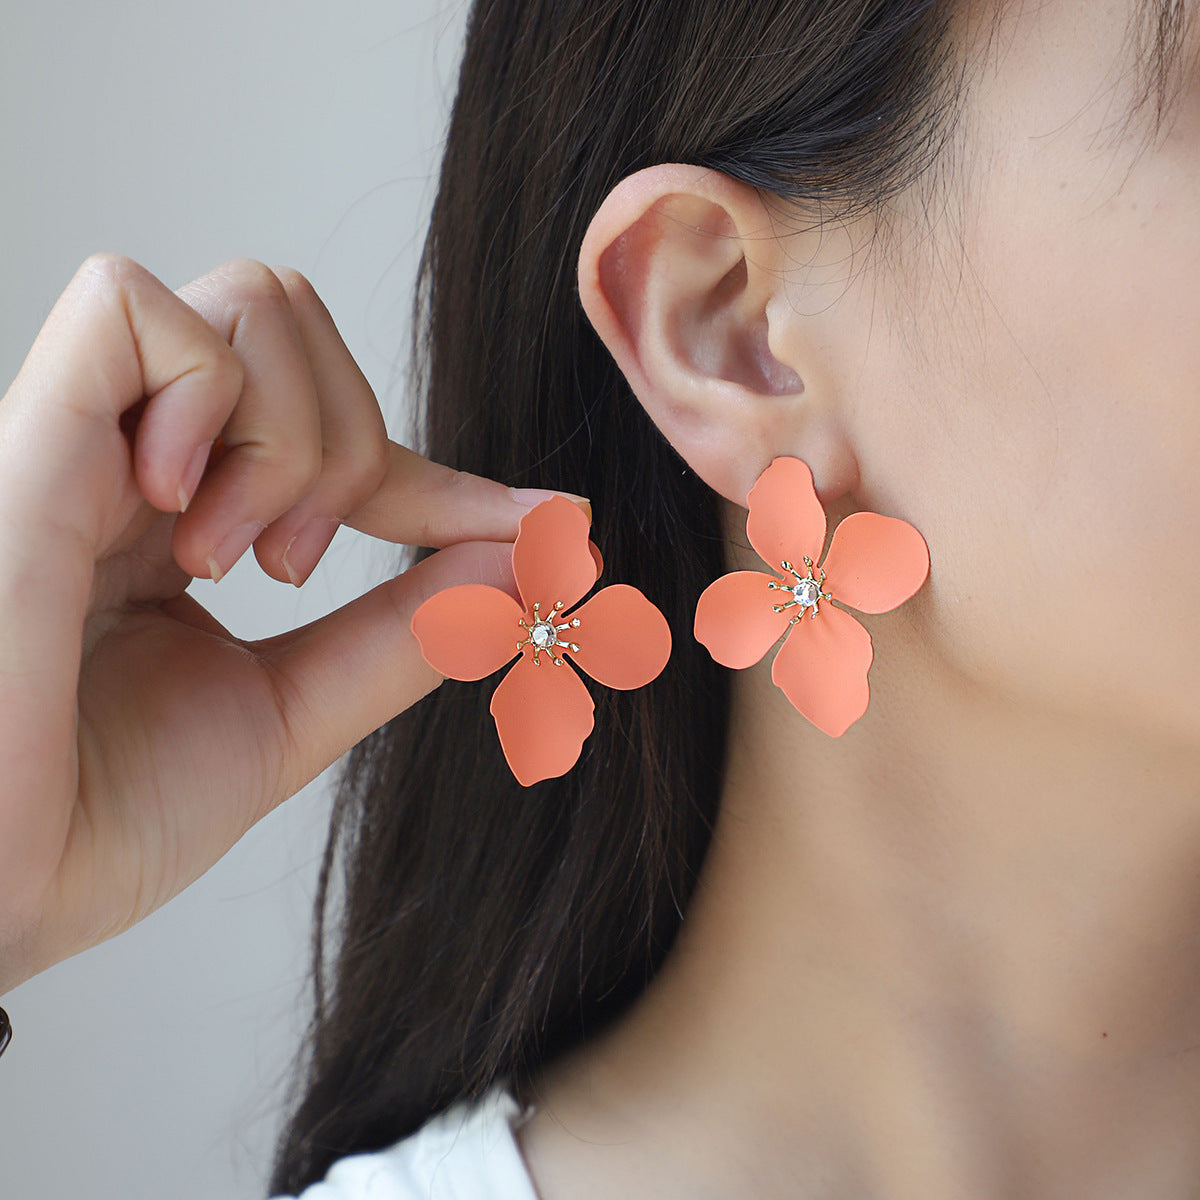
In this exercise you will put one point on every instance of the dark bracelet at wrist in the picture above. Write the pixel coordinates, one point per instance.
(5, 1030)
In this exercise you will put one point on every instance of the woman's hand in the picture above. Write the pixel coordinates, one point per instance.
(139, 739)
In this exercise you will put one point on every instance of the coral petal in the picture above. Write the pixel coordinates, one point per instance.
(543, 716)
(624, 641)
(469, 631)
(874, 562)
(822, 669)
(599, 560)
(734, 618)
(786, 519)
(552, 559)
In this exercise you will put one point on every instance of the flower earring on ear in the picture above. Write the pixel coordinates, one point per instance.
(874, 564)
(542, 709)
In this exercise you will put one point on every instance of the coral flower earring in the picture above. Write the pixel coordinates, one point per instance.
(874, 564)
(542, 709)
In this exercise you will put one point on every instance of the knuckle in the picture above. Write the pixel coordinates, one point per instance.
(297, 286)
(356, 474)
(109, 266)
(249, 282)
(309, 467)
(371, 464)
(105, 275)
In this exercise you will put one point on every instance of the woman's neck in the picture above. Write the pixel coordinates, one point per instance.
(955, 952)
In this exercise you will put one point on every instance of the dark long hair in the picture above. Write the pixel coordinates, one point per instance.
(485, 927)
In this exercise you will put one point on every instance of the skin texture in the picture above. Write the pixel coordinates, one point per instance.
(955, 952)
(139, 738)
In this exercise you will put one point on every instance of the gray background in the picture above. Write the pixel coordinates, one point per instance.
(185, 134)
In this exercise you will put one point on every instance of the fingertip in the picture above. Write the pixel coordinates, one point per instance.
(528, 497)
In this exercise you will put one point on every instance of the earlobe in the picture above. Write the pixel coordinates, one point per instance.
(681, 274)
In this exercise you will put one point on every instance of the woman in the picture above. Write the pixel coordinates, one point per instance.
(945, 254)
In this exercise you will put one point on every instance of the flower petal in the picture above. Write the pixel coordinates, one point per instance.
(543, 715)
(734, 618)
(596, 555)
(786, 519)
(822, 668)
(874, 562)
(624, 641)
(468, 631)
(552, 559)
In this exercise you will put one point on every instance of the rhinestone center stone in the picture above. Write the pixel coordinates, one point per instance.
(807, 592)
(543, 635)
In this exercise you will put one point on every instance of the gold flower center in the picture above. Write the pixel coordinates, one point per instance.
(542, 635)
(805, 590)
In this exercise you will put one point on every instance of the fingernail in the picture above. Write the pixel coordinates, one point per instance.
(191, 475)
(531, 496)
(231, 548)
(305, 549)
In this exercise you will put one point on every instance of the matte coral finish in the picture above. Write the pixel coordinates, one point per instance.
(822, 669)
(543, 710)
(467, 632)
(875, 563)
(734, 620)
(543, 716)
(624, 641)
(786, 519)
(551, 556)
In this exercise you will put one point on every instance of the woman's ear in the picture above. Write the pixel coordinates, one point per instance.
(683, 275)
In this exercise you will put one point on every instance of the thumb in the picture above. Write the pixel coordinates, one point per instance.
(343, 675)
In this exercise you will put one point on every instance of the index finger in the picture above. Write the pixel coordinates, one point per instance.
(424, 503)
(418, 502)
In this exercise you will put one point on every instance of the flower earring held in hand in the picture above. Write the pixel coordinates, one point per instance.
(542, 709)
(874, 564)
